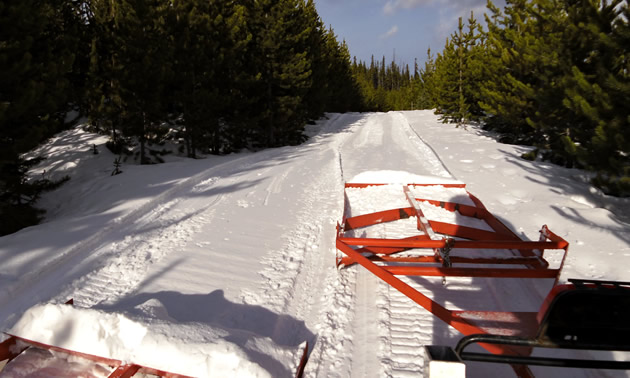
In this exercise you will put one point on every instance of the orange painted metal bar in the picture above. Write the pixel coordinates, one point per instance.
(361, 185)
(458, 322)
(464, 231)
(357, 185)
(454, 259)
(443, 185)
(470, 272)
(379, 217)
(475, 212)
(467, 210)
(423, 222)
(546, 233)
(462, 244)
(347, 261)
(125, 371)
(300, 369)
(477, 234)
(7, 351)
(391, 250)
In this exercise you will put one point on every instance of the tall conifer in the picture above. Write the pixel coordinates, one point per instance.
(37, 54)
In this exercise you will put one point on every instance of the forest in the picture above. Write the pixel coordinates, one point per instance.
(216, 76)
(553, 74)
(221, 76)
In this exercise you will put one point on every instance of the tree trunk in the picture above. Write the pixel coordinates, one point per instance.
(142, 153)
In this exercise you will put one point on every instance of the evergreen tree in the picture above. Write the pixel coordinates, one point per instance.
(428, 92)
(143, 59)
(37, 53)
(232, 73)
(474, 68)
(507, 93)
(103, 101)
(343, 87)
(318, 97)
(446, 81)
(282, 70)
(528, 55)
(458, 69)
(208, 38)
(557, 78)
(597, 91)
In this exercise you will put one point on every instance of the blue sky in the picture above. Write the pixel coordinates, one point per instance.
(407, 26)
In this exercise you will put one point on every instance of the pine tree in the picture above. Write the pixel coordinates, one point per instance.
(429, 91)
(446, 81)
(78, 34)
(556, 77)
(143, 60)
(461, 50)
(318, 96)
(459, 73)
(344, 93)
(597, 91)
(208, 38)
(282, 70)
(103, 101)
(474, 68)
(37, 52)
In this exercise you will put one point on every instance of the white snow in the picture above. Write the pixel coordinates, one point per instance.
(115, 336)
(225, 266)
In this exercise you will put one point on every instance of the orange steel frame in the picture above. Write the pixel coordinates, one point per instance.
(528, 254)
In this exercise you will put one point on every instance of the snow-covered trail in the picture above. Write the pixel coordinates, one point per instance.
(387, 142)
(244, 246)
(389, 329)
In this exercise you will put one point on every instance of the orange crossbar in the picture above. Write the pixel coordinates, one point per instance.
(462, 244)
(379, 217)
(454, 259)
(470, 272)
(362, 185)
(465, 232)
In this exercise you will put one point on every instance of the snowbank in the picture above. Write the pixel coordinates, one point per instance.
(116, 336)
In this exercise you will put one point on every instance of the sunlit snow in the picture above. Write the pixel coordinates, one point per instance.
(225, 266)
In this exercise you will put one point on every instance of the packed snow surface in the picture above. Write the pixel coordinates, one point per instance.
(225, 266)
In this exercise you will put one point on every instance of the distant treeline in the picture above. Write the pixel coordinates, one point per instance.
(218, 76)
(554, 74)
